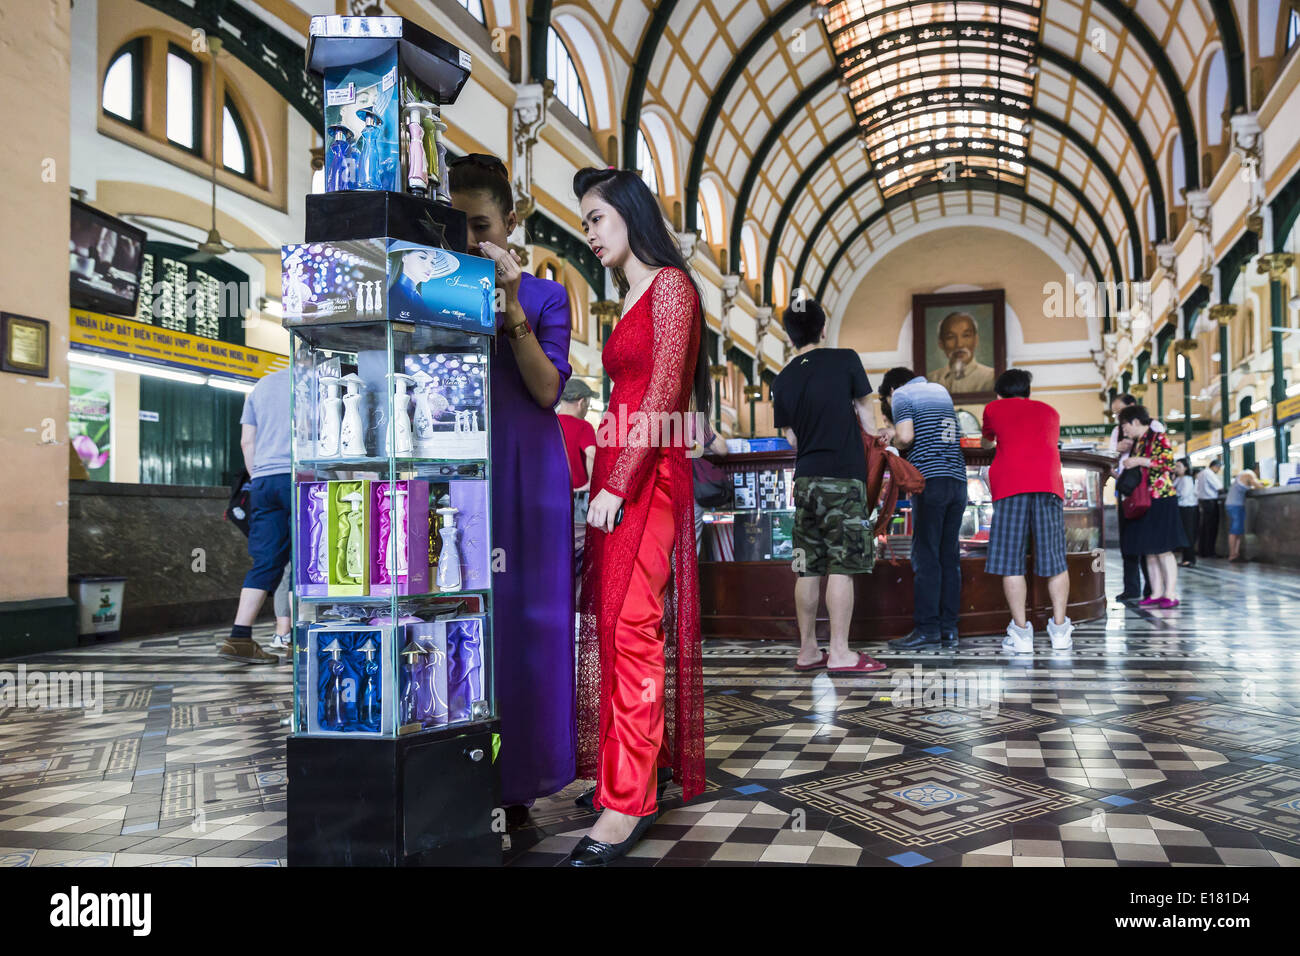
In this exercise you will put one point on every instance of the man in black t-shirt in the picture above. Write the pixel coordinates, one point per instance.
(818, 400)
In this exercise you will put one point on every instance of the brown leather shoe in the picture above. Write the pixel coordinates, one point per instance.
(245, 652)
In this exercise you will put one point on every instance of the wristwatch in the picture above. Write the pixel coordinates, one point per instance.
(522, 330)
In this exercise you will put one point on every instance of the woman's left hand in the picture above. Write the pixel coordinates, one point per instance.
(603, 510)
(509, 268)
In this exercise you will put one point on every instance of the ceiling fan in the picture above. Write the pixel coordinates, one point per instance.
(213, 245)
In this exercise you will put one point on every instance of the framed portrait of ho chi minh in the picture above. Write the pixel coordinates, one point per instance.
(959, 340)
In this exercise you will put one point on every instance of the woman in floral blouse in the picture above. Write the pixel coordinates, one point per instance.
(1159, 532)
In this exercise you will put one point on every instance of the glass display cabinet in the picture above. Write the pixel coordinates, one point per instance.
(392, 529)
(746, 549)
(392, 757)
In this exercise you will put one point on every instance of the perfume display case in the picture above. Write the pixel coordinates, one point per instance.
(391, 760)
(746, 554)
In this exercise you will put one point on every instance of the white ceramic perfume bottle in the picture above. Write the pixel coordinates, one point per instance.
(423, 422)
(401, 420)
(331, 422)
(352, 436)
(354, 547)
(449, 559)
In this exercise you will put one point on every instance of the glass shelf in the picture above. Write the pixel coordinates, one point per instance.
(443, 467)
(387, 599)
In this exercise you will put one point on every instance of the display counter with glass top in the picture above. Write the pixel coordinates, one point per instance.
(747, 550)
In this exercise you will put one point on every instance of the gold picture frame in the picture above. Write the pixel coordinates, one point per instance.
(26, 343)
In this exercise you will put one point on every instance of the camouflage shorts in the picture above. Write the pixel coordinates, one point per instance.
(832, 531)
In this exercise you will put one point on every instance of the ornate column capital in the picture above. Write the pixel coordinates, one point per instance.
(1138, 390)
(687, 241)
(1166, 255)
(1275, 265)
(1223, 313)
(528, 118)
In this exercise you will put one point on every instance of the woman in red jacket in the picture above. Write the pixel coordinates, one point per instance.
(640, 684)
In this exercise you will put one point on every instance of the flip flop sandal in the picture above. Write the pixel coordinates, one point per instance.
(815, 665)
(864, 665)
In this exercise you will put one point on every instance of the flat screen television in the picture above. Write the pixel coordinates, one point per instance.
(105, 255)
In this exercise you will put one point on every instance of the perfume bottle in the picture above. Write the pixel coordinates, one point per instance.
(368, 702)
(354, 547)
(417, 169)
(406, 704)
(332, 700)
(370, 156)
(352, 433)
(331, 423)
(449, 560)
(401, 420)
(319, 562)
(340, 160)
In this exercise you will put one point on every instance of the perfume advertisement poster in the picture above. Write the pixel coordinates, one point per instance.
(437, 287)
(333, 281)
(361, 121)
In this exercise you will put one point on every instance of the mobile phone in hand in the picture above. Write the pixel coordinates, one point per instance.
(618, 518)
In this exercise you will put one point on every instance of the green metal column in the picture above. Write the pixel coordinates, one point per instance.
(1276, 266)
(1223, 314)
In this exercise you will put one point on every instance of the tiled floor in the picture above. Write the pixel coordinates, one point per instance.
(1167, 738)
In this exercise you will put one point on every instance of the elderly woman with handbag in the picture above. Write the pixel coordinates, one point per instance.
(1156, 529)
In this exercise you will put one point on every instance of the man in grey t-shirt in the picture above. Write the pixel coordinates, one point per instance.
(265, 426)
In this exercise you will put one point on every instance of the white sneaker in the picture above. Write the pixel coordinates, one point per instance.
(1020, 640)
(1060, 635)
(281, 642)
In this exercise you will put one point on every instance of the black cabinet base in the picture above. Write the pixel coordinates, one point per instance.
(423, 800)
(371, 214)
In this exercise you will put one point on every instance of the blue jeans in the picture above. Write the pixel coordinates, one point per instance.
(936, 558)
(270, 506)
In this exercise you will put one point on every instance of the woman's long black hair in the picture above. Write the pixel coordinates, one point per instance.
(651, 243)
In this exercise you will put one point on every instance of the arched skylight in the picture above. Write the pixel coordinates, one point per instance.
(236, 155)
(121, 85)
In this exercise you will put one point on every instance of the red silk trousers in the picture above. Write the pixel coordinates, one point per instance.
(632, 738)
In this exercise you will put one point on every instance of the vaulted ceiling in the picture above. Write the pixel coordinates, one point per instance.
(830, 127)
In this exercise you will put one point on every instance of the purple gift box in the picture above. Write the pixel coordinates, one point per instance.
(312, 578)
(413, 551)
(428, 674)
(470, 498)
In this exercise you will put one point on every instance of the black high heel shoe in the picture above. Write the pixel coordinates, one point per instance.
(591, 852)
(587, 799)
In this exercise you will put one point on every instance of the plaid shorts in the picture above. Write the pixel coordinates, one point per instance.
(1009, 534)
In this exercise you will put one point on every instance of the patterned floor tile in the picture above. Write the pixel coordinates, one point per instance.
(780, 751)
(929, 800)
(945, 725)
(1264, 800)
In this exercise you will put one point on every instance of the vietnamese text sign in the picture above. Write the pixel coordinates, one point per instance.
(126, 338)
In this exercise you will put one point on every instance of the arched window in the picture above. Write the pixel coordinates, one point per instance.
(1151, 219)
(702, 221)
(645, 162)
(1292, 29)
(1216, 99)
(710, 201)
(123, 95)
(560, 69)
(475, 8)
(236, 155)
(184, 99)
(779, 292)
(749, 252)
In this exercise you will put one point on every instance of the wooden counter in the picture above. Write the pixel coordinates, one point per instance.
(755, 599)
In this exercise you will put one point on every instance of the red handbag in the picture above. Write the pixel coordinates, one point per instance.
(1138, 503)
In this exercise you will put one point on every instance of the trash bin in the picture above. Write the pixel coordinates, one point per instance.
(99, 604)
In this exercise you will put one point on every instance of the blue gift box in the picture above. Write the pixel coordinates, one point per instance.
(375, 279)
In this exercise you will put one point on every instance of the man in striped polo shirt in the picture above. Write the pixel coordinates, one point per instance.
(925, 428)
